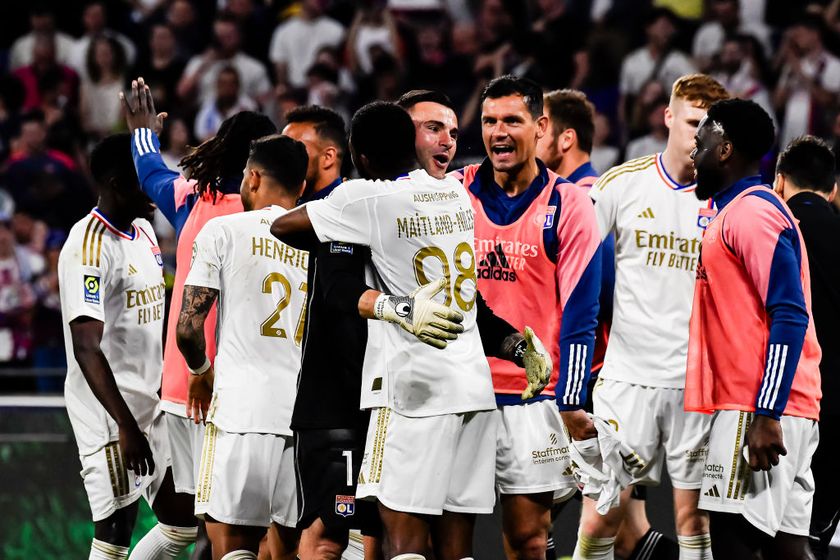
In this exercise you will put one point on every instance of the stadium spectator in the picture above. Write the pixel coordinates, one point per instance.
(709, 39)
(175, 141)
(252, 15)
(101, 86)
(162, 67)
(296, 41)
(44, 63)
(604, 155)
(654, 141)
(736, 71)
(373, 30)
(18, 266)
(809, 82)
(41, 21)
(202, 70)
(189, 35)
(226, 102)
(559, 36)
(657, 59)
(94, 21)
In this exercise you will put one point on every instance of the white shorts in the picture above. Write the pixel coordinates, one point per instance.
(185, 441)
(111, 486)
(247, 479)
(430, 464)
(652, 421)
(532, 451)
(776, 500)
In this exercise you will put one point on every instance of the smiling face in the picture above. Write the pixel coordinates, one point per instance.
(510, 133)
(436, 137)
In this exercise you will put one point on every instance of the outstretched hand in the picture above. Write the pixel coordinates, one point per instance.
(139, 108)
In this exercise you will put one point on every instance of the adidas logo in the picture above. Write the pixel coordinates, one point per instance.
(495, 266)
(569, 471)
(648, 213)
(131, 270)
(712, 492)
(553, 438)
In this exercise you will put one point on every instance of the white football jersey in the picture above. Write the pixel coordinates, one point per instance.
(419, 229)
(116, 278)
(658, 226)
(262, 296)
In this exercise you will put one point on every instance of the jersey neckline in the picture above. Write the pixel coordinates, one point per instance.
(97, 213)
(668, 180)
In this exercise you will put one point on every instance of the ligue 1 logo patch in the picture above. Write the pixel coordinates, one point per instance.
(92, 287)
(704, 217)
(345, 506)
(158, 256)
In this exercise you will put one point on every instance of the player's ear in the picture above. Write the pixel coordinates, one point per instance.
(669, 116)
(779, 185)
(329, 157)
(542, 126)
(833, 194)
(726, 150)
(568, 139)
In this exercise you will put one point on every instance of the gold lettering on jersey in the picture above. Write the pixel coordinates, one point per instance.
(273, 249)
(419, 225)
(149, 302)
(668, 250)
(435, 196)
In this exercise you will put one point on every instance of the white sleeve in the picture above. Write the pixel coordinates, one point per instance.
(208, 256)
(831, 76)
(343, 216)
(606, 195)
(83, 269)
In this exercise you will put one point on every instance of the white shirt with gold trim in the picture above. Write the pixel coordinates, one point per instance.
(418, 229)
(114, 277)
(262, 298)
(658, 225)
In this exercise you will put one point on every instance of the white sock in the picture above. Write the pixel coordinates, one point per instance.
(696, 547)
(409, 556)
(591, 548)
(100, 550)
(240, 555)
(164, 542)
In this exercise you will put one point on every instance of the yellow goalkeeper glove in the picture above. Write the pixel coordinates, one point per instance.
(431, 322)
(537, 363)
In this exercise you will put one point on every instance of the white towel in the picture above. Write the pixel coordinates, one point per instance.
(603, 466)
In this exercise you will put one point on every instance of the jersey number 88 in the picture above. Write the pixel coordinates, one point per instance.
(464, 272)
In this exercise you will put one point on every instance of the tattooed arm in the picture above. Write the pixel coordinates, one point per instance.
(190, 337)
(190, 334)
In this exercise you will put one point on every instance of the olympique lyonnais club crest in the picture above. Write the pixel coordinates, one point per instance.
(704, 217)
(158, 256)
(545, 216)
(345, 506)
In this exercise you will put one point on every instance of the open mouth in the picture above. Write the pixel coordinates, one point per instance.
(441, 159)
(501, 150)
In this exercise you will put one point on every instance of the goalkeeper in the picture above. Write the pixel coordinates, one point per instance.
(430, 453)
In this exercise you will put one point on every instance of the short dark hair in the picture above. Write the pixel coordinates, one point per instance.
(411, 98)
(282, 157)
(33, 115)
(809, 164)
(111, 162)
(384, 133)
(511, 85)
(569, 108)
(328, 124)
(746, 125)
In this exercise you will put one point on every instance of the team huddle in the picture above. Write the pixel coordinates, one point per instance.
(357, 368)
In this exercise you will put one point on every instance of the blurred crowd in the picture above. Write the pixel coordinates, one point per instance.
(62, 65)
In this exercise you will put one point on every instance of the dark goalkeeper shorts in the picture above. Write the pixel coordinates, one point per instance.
(327, 466)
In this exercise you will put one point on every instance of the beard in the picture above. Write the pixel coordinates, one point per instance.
(709, 183)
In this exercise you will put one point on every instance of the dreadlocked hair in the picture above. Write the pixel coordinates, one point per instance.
(224, 156)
